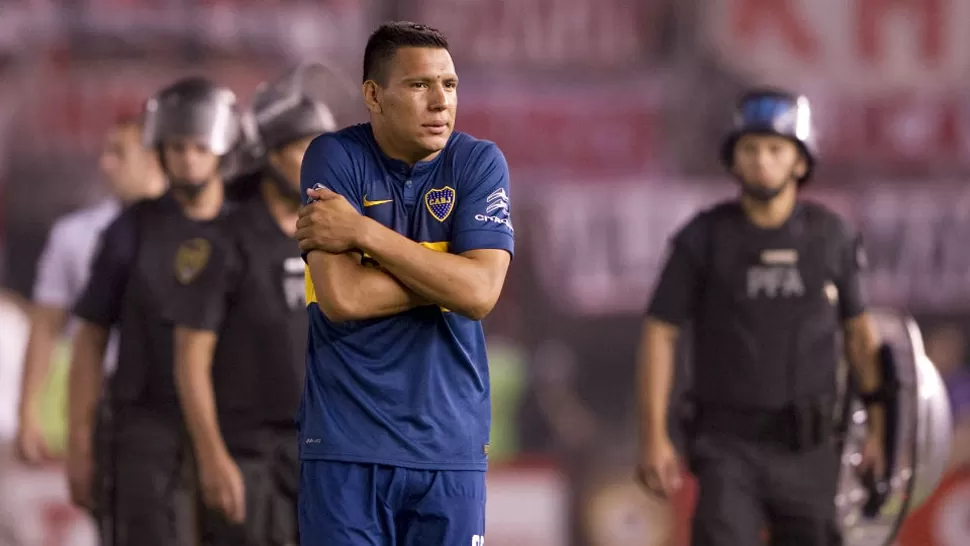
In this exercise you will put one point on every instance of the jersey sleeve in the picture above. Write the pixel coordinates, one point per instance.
(483, 208)
(53, 286)
(852, 296)
(102, 297)
(328, 163)
(675, 295)
(201, 303)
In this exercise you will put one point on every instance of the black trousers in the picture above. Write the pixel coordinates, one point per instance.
(145, 473)
(746, 487)
(270, 475)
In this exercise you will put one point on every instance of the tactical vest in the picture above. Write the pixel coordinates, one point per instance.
(170, 249)
(767, 326)
(259, 363)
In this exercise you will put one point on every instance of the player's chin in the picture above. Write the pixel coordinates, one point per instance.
(436, 140)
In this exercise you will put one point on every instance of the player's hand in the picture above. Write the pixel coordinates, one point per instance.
(80, 475)
(223, 488)
(329, 223)
(659, 469)
(32, 446)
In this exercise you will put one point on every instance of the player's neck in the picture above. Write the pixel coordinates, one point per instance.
(772, 213)
(391, 149)
(283, 209)
(204, 205)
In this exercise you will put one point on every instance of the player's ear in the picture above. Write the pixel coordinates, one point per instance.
(372, 98)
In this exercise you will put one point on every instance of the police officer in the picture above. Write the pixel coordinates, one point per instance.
(153, 247)
(769, 282)
(241, 337)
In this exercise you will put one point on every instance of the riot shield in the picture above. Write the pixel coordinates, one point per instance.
(919, 436)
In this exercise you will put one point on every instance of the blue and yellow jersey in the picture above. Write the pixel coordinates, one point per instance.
(410, 390)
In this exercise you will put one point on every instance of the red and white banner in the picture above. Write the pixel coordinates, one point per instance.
(866, 45)
(601, 132)
(894, 131)
(601, 35)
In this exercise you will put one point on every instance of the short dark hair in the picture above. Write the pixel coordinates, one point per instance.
(389, 37)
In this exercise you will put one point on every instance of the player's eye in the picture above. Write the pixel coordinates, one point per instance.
(451, 85)
(419, 85)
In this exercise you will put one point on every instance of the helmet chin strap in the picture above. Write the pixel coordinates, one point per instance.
(187, 190)
(762, 194)
(758, 193)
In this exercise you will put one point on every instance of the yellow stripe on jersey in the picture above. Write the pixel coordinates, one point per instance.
(308, 290)
(311, 293)
(439, 246)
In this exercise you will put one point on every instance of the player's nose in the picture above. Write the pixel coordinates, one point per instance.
(439, 98)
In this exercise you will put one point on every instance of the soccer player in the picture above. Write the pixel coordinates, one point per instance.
(408, 242)
(240, 340)
(133, 173)
(153, 246)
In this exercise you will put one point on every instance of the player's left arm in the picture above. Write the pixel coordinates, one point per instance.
(469, 278)
(861, 338)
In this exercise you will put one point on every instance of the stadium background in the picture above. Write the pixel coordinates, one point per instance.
(609, 112)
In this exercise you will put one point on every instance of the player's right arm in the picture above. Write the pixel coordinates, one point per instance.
(671, 306)
(98, 309)
(49, 310)
(344, 288)
(198, 310)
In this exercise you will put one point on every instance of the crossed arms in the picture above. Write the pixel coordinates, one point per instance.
(334, 235)
(411, 275)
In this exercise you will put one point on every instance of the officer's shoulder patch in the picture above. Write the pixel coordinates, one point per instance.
(191, 258)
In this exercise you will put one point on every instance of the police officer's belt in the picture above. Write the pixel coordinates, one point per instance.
(801, 426)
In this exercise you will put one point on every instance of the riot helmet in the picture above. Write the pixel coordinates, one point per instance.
(193, 108)
(285, 113)
(773, 112)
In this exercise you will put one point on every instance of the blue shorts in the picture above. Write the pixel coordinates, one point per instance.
(350, 504)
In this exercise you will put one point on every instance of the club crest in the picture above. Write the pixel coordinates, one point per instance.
(440, 202)
(191, 258)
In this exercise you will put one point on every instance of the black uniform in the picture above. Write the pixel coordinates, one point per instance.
(252, 293)
(144, 255)
(767, 307)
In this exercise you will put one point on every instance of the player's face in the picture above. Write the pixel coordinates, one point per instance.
(130, 168)
(767, 162)
(189, 161)
(421, 98)
(289, 158)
